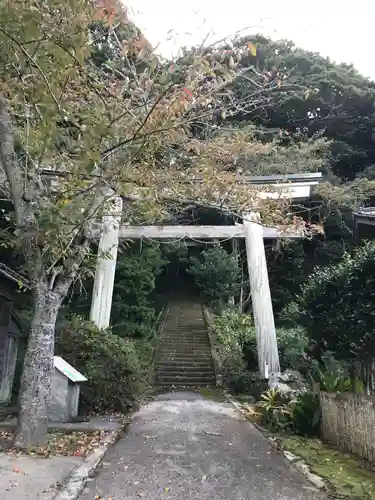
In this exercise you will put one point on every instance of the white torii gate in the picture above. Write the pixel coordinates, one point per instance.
(292, 186)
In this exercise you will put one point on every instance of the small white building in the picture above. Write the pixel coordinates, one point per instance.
(66, 382)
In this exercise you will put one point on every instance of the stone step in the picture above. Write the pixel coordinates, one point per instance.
(196, 363)
(181, 355)
(183, 343)
(178, 319)
(180, 387)
(186, 382)
(184, 348)
(184, 336)
(183, 360)
(187, 339)
(184, 356)
(183, 375)
(199, 379)
(192, 354)
(185, 325)
(184, 369)
(185, 331)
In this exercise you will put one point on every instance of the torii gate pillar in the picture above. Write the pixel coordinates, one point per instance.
(102, 294)
(268, 356)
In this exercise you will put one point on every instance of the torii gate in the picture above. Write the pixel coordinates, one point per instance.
(296, 187)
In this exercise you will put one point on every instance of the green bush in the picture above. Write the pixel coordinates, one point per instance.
(217, 275)
(232, 331)
(116, 368)
(338, 307)
(306, 414)
(277, 411)
(292, 343)
(133, 314)
(301, 415)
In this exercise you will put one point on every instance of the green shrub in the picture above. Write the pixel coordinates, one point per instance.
(335, 379)
(306, 414)
(232, 331)
(337, 305)
(292, 343)
(133, 314)
(277, 411)
(116, 368)
(301, 415)
(217, 275)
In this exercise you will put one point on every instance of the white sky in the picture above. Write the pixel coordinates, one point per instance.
(343, 30)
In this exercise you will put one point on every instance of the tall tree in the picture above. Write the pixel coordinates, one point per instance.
(328, 98)
(75, 131)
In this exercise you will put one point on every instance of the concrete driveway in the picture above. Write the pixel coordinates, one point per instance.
(182, 446)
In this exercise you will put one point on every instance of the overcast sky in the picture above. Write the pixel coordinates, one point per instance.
(344, 30)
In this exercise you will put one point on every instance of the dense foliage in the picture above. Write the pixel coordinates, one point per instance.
(338, 103)
(337, 305)
(300, 415)
(116, 368)
(232, 331)
(235, 336)
(217, 275)
(133, 313)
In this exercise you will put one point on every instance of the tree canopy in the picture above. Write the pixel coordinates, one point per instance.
(325, 98)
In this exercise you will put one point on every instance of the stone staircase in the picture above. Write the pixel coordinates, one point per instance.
(183, 357)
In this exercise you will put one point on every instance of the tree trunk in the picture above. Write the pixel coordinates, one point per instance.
(35, 390)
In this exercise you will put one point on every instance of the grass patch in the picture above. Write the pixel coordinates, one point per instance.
(212, 393)
(244, 398)
(348, 477)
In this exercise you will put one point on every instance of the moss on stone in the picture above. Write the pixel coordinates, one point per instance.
(347, 476)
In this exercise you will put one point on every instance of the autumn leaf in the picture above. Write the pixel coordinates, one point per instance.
(252, 49)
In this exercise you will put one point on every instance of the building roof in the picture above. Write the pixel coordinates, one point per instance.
(14, 276)
(365, 216)
(66, 369)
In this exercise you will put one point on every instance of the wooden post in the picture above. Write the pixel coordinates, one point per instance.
(268, 356)
(102, 294)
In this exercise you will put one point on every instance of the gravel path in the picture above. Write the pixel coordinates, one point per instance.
(182, 446)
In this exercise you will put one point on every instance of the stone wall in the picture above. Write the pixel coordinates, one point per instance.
(348, 422)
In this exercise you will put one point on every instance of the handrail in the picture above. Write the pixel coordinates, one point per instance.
(162, 318)
(216, 361)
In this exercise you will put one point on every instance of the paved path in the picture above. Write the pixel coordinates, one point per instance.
(33, 478)
(182, 446)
